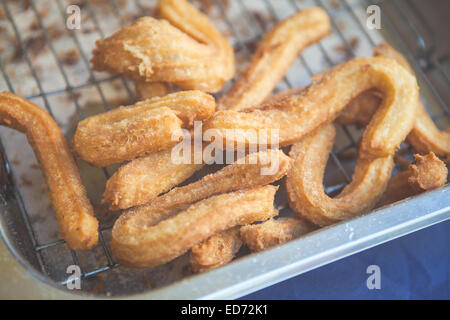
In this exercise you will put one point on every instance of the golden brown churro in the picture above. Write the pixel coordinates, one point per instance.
(128, 132)
(75, 215)
(426, 173)
(185, 49)
(297, 115)
(142, 245)
(137, 176)
(273, 232)
(305, 188)
(143, 179)
(424, 136)
(218, 250)
(275, 53)
(148, 90)
(256, 169)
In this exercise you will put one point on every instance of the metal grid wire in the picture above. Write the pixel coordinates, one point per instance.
(424, 49)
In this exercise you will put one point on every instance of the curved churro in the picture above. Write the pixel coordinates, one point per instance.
(143, 179)
(426, 173)
(304, 181)
(273, 232)
(275, 53)
(297, 115)
(218, 250)
(185, 49)
(128, 132)
(256, 169)
(75, 215)
(424, 137)
(144, 245)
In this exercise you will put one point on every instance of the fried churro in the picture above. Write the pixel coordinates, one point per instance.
(140, 244)
(75, 215)
(143, 179)
(305, 189)
(148, 90)
(424, 137)
(275, 53)
(297, 115)
(183, 48)
(426, 173)
(273, 232)
(129, 132)
(217, 251)
(255, 169)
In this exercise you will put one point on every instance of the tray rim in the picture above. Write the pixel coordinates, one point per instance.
(293, 258)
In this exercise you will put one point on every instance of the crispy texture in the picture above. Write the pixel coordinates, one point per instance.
(305, 190)
(426, 173)
(182, 48)
(273, 232)
(319, 104)
(237, 176)
(129, 132)
(275, 53)
(142, 245)
(424, 137)
(148, 90)
(76, 222)
(143, 179)
(217, 251)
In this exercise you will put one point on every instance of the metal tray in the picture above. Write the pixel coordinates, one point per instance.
(48, 64)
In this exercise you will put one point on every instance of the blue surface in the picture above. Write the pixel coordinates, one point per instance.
(416, 266)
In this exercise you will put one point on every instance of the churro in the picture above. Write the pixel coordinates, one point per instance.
(75, 215)
(143, 179)
(426, 173)
(217, 251)
(139, 244)
(183, 48)
(273, 232)
(297, 115)
(147, 90)
(305, 189)
(129, 132)
(424, 137)
(256, 169)
(275, 53)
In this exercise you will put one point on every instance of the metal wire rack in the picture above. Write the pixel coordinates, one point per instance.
(423, 60)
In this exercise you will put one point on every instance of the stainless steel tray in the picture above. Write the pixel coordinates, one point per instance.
(45, 62)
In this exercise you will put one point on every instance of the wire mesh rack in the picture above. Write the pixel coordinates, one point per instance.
(255, 18)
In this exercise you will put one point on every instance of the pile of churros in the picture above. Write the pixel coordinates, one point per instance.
(177, 59)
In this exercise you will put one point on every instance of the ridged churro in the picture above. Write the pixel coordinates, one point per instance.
(129, 132)
(183, 48)
(426, 173)
(143, 179)
(148, 90)
(305, 187)
(75, 215)
(139, 244)
(275, 53)
(273, 232)
(256, 169)
(424, 137)
(297, 115)
(216, 251)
